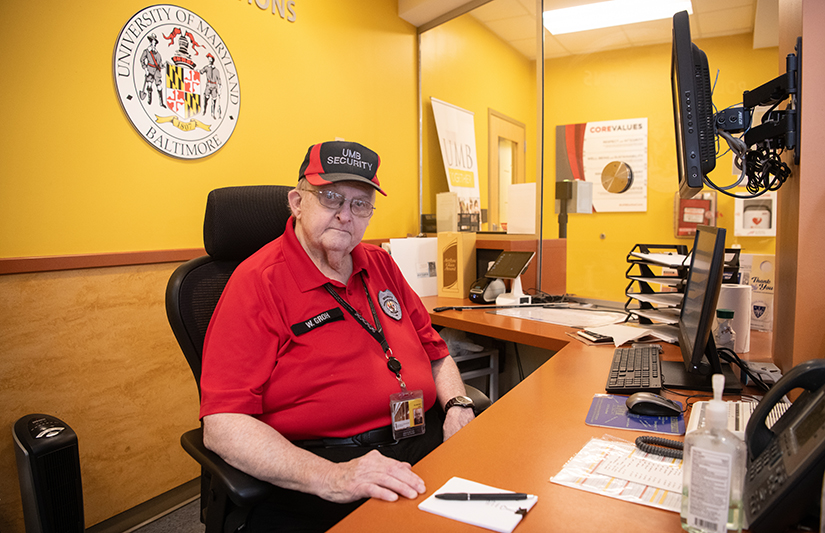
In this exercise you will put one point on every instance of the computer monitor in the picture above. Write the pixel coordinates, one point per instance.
(692, 109)
(698, 316)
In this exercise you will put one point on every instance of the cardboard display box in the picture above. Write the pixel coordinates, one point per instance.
(456, 264)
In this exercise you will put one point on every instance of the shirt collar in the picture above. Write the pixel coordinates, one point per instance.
(306, 274)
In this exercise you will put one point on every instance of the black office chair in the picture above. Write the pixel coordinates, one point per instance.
(238, 222)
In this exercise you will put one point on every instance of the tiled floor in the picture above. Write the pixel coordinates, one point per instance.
(183, 520)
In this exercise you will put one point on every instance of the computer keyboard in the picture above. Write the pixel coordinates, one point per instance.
(635, 369)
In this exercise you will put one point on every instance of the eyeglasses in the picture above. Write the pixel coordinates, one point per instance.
(333, 200)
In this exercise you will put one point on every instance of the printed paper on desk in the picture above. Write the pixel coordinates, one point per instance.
(571, 317)
(497, 515)
(621, 334)
(581, 472)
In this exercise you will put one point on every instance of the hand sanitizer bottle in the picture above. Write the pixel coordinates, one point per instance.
(713, 472)
(723, 334)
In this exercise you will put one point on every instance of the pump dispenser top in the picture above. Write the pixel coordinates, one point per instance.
(716, 412)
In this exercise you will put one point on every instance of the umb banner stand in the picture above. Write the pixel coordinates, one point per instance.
(456, 137)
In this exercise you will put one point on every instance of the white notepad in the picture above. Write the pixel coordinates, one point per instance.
(497, 515)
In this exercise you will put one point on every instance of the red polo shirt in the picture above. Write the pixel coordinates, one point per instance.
(282, 349)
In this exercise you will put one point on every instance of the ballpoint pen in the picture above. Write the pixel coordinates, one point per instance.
(467, 496)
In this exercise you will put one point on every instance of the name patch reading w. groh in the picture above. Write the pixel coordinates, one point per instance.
(320, 319)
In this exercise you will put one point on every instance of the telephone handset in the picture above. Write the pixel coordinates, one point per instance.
(786, 462)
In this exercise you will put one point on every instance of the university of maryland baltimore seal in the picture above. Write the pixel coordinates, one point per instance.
(176, 81)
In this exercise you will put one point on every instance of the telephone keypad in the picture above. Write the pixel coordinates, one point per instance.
(771, 479)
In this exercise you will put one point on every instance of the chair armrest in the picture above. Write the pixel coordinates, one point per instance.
(480, 400)
(243, 489)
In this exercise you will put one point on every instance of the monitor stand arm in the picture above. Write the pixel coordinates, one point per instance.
(516, 296)
(781, 127)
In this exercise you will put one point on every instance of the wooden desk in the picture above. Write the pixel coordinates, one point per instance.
(524, 439)
(530, 332)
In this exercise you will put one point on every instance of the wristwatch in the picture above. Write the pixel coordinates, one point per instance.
(459, 401)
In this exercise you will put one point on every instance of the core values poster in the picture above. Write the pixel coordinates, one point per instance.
(610, 154)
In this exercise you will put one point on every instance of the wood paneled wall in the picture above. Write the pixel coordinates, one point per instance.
(800, 241)
(93, 348)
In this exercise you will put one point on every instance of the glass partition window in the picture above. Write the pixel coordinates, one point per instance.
(465, 64)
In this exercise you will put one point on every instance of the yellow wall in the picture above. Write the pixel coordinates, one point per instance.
(76, 178)
(93, 347)
(466, 65)
(635, 83)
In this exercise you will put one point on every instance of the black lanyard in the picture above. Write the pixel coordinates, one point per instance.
(376, 331)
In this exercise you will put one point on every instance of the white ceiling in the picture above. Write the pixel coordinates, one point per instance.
(514, 21)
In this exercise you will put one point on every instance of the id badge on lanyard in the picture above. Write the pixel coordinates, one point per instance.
(406, 407)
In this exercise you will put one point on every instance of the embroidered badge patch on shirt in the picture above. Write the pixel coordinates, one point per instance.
(318, 320)
(390, 304)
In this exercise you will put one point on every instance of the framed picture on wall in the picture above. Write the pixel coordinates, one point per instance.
(755, 217)
(612, 155)
(691, 212)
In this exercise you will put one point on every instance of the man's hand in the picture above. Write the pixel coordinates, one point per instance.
(257, 449)
(370, 476)
(457, 418)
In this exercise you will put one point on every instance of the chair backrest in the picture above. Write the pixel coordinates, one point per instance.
(237, 223)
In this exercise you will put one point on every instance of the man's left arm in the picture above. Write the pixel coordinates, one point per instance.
(448, 385)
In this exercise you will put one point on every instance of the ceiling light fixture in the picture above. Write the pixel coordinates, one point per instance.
(611, 13)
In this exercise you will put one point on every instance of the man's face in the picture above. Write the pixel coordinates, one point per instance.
(328, 230)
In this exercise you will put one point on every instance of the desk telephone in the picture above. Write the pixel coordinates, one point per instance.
(786, 462)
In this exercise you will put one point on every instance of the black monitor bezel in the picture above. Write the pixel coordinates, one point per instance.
(700, 359)
(510, 265)
(692, 110)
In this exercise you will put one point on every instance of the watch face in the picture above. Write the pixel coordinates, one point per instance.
(460, 401)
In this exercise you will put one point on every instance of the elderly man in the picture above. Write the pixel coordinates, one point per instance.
(322, 373)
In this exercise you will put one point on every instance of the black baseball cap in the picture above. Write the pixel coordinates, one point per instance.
(335, 161)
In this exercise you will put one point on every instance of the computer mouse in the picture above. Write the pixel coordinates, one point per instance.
(647, 403)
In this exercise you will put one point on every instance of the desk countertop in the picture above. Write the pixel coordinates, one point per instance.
(524, 439)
